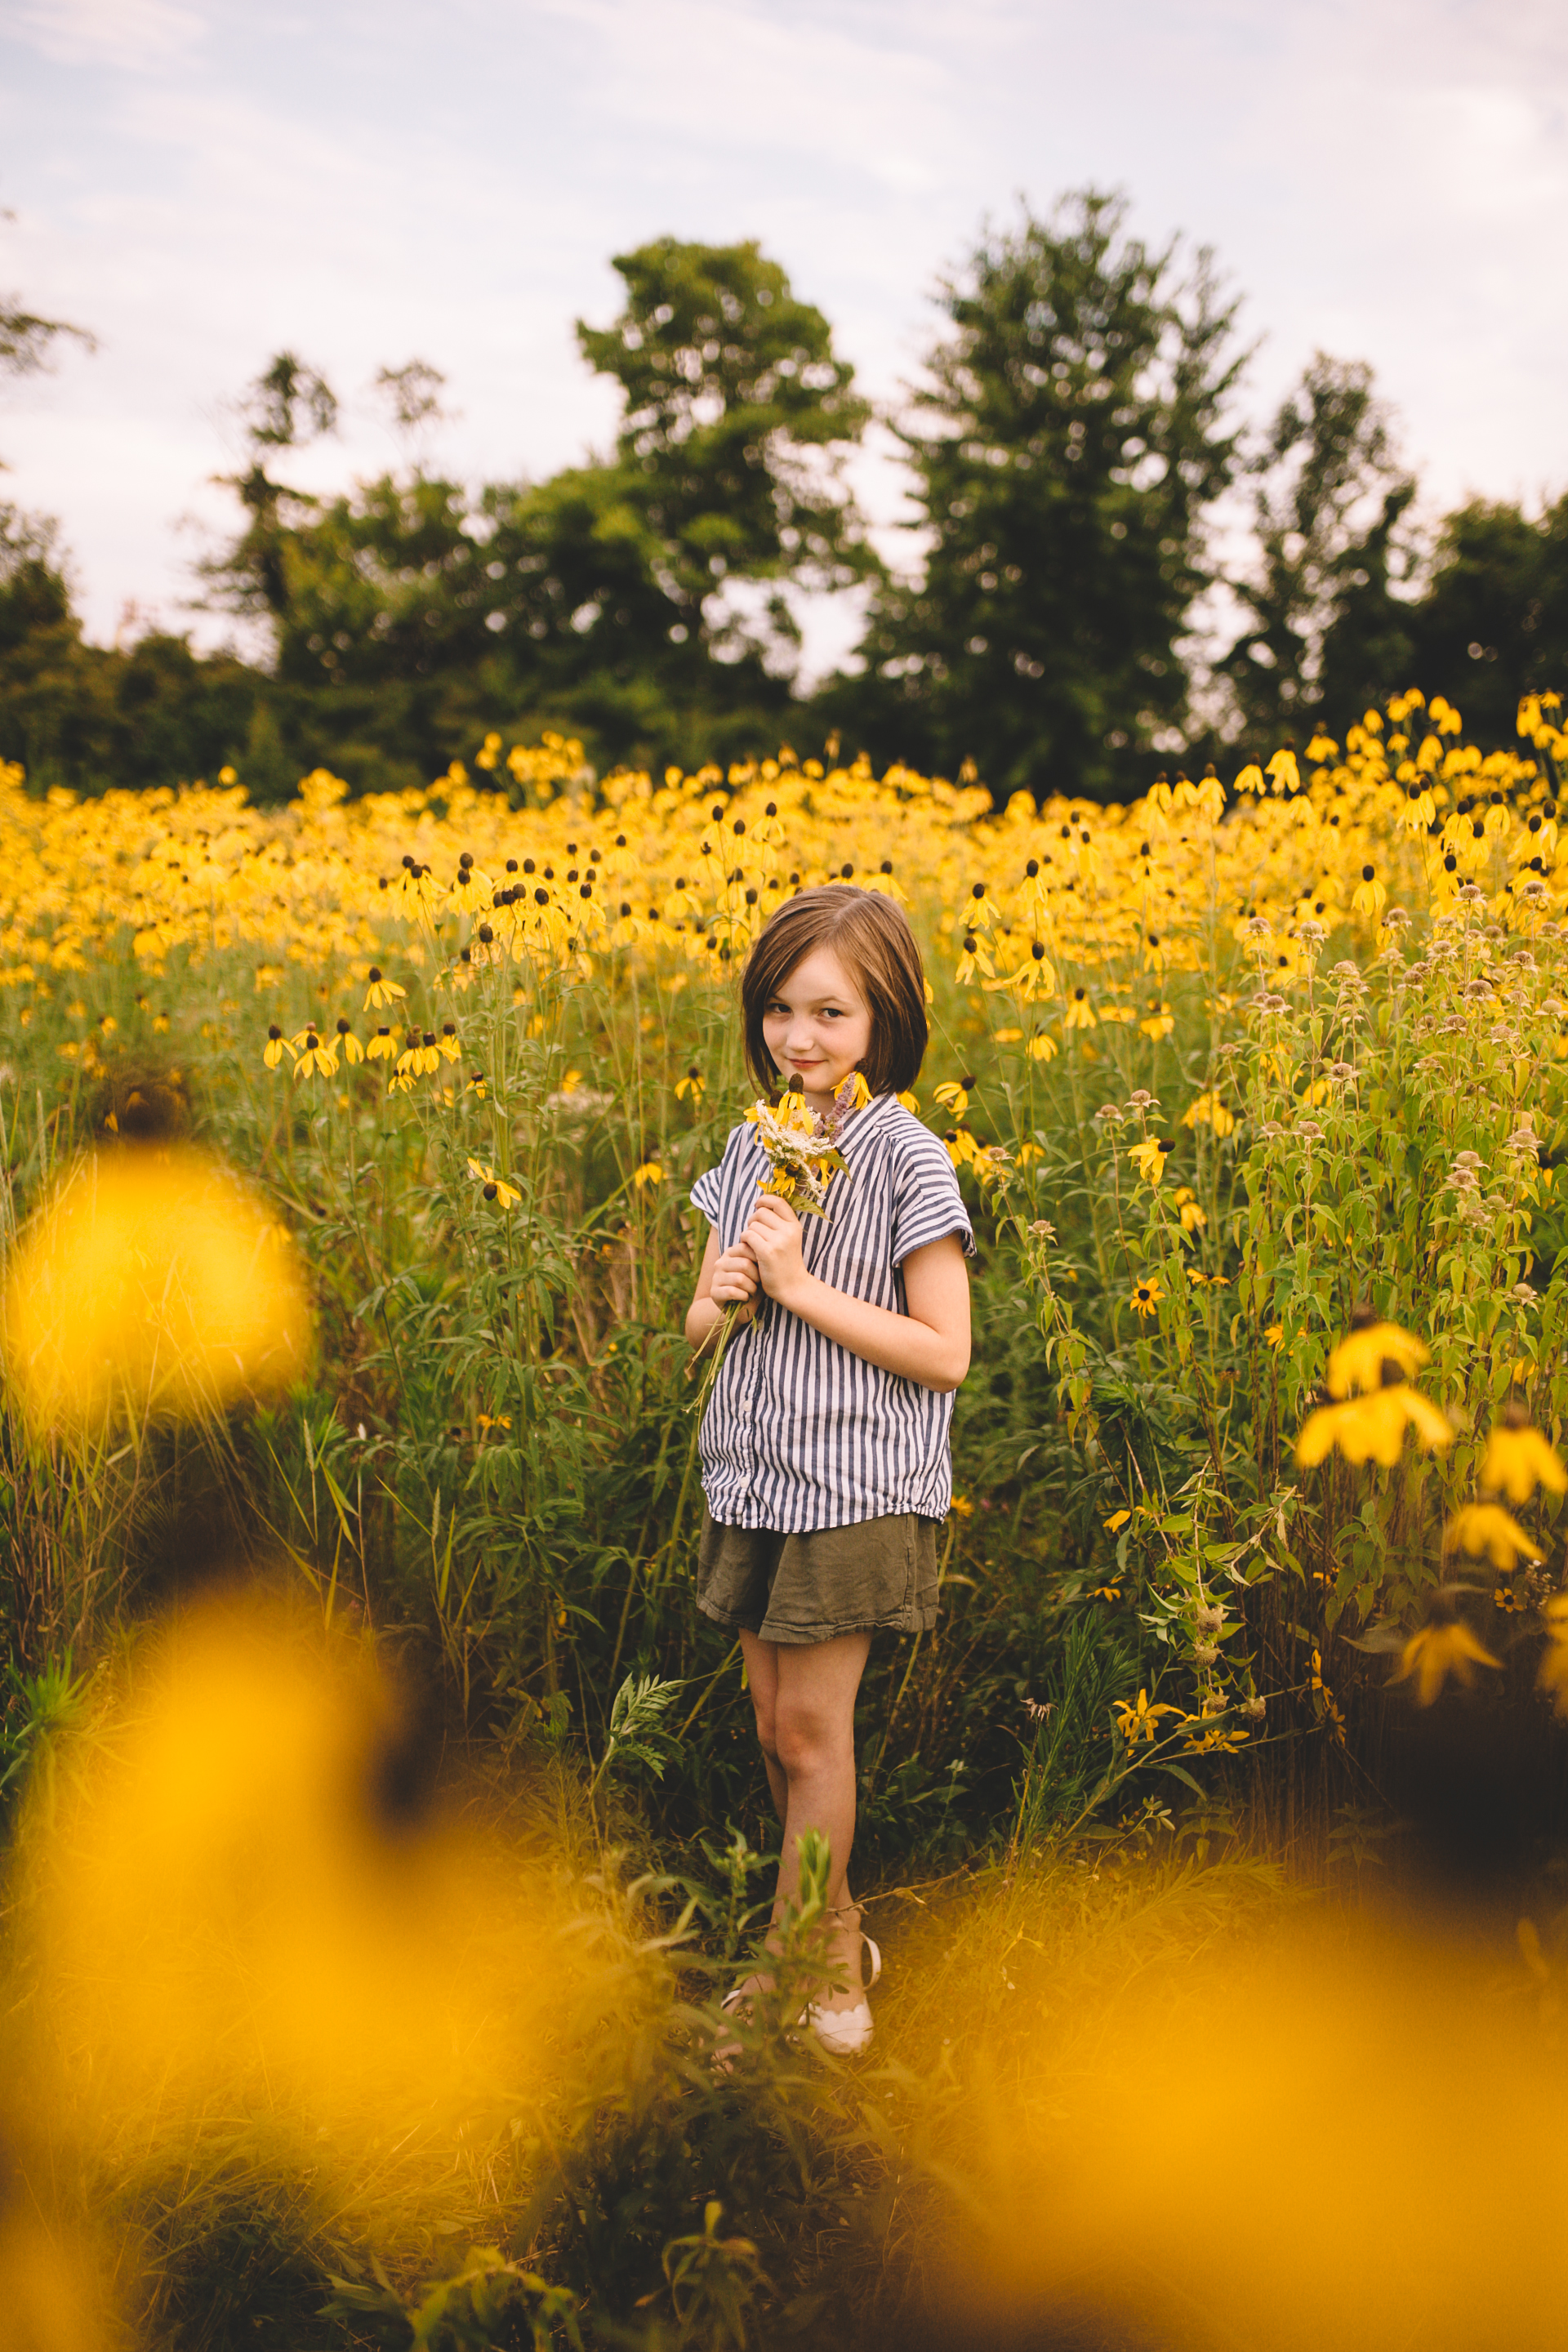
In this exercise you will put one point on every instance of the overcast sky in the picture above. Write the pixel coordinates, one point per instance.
(204, 182)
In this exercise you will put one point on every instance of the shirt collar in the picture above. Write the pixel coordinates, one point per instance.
(865, 1124)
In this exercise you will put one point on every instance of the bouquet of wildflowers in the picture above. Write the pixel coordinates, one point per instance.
(801, 1146)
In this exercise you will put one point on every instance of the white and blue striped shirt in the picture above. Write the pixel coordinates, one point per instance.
(800, 1434)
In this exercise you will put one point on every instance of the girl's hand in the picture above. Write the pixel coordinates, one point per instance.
(774, 1236)
(734, 1282)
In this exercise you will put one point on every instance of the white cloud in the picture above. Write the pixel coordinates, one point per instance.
(203, 182)
(139, 34)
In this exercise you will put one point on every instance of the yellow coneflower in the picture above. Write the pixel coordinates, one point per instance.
(1480, 1528)
(1210, 1111)
(1518, 1459)
(381, 992)
(1146, 1296)
(1371, 1428)
(1438, 1651)
(1357, 1362)
(1149, 1158)
(1141, 1721)
(494, 1187)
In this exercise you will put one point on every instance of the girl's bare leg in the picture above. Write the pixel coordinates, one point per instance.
(804, 1695)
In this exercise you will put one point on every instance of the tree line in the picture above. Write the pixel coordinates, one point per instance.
(1110, 570)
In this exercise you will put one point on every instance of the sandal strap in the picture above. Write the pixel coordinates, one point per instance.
(876, 1951)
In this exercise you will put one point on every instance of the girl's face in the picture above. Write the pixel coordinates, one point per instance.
(817, 1026)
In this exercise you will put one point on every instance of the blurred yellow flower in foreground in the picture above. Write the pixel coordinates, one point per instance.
(155, 1283)
(1371, 1428)
(1438, 1651)
(1518, 1459)
(1484, 1528)
(1357, 1362)
(250, 1900)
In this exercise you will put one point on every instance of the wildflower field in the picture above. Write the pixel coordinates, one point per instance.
(1256, 1091)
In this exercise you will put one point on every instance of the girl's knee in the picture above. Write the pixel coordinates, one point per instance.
(803, 1739)
(767, 1731)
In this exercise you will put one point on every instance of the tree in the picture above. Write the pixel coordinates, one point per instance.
(89, 716)
(1067, 445)
(1493, 622)
(635, 600)
(1324, 630)
(737, 419)
(287, 407)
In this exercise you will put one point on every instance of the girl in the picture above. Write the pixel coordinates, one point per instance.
(824, 1446)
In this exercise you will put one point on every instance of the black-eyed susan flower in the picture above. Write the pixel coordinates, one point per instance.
(1145, 1298)
(421, 1057)
(1141, 1721)
(1149, 1158)
(1209, 1110)
(1486, 1527)
(690, 1086)
(975, 957)
(1186, 1203)
(1358, 1361)
(383, 1047)
(1370, 897)
(1081, 1012)
(494, 1187)
(648, 1173)
(275, 1045)
(381, 992)
(349, 1045)
(1518, 1459)
(953, 1095)
(1445, 1646)
(315, 1053)
(1371, 1428)
(1552, 1673)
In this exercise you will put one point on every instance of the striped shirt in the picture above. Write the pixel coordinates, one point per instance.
(800, 1434)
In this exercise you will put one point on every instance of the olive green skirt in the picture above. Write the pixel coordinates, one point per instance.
(814, 1587)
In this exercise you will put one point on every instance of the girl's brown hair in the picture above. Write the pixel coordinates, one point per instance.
(872, 939)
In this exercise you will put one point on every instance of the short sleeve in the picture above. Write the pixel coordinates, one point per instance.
(706, 1193)
(927, 1202)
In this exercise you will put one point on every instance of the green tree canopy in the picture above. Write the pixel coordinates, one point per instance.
(1493, 622)
(637, 599)
(1324, 629)
(1067, 445)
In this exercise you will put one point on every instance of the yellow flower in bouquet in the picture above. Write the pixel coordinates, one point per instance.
(802, 1145)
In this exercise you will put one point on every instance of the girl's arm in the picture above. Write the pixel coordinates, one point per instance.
(930, 1344)
(727, 1278)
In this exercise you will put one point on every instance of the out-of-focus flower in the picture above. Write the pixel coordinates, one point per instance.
(154, 1284)
(1484, 1528)
(1518, 1459)
(1357, 1362)
(1438, 1651)
(1371, 1428)
(1208, 1111)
